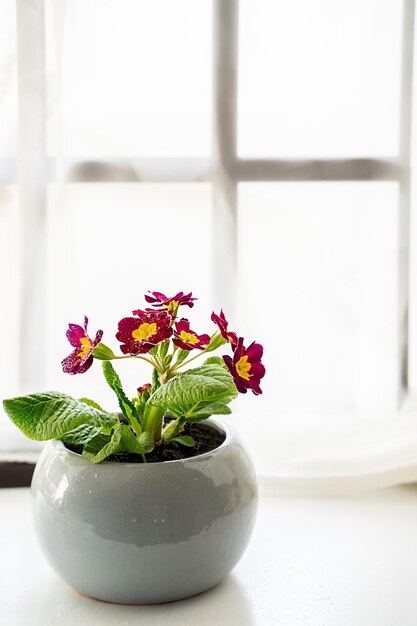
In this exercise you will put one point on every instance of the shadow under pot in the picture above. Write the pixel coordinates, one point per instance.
(144, 533)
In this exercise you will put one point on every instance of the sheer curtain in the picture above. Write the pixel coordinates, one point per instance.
(152, 155)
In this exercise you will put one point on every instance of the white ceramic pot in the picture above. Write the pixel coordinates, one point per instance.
(145, 533)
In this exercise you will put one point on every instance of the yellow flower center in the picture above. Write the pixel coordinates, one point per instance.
(85, 346)
(188, 338)
(243, 367)
(172, 305)
(144, 331)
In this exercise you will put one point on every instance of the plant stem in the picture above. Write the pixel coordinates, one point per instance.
(159, 362)
(153, 363)
(179, 365)
(152, 421)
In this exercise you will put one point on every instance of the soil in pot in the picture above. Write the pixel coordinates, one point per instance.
(206, 439)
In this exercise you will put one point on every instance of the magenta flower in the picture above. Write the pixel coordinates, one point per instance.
(187, 339)
(246, 367)
(81, 358)
(144, 389)
(140, 334)
(159, 300)
(222, 323)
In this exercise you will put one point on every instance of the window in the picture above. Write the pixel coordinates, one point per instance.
(267, 142)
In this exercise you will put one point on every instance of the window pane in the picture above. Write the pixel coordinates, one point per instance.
(109, 244)
(318, 286)
(8, 79)
(319, 78)
(136, 78)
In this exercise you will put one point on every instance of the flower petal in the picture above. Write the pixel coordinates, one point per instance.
(153, 327)
(81, 359)
(257, 370)
(74, 334)
(254, 352)
(99, 335)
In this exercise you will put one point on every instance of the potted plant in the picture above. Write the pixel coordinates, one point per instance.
(157, 502)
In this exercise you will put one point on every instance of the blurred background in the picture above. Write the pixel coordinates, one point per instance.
(258, 153)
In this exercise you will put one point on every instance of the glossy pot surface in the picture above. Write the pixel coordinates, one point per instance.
(145, 533)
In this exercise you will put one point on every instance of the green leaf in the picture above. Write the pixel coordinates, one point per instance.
(103, 353)
(110, 422)
(139, 445)
(216, 360)
(81, 435)
(155, 380)
(205, 410)
(152, 420)
(100, 447)
(163, 349)
(216, 341)
(185, 440)
(126, 406)
(91, 403)
(50, 415)
(122, 440)
(173, 429)
(181, 356)
(195, 390)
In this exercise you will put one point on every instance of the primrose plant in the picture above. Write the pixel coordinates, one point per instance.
(159, 336)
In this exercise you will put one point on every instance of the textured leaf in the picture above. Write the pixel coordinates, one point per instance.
(215, 360)
(195, 389)
(126, 406)
(173, 429)
(50, 415)
(213, 370)
(103, 352)
(122, 440)
(82, 434)
(205, 410)
(140, 445)
(91, 403)
(100, 447)
(185, 440)
(155, 380)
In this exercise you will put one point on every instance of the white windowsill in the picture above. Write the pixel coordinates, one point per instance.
(311, 562)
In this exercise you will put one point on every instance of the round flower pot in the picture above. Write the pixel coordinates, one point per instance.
(145, 533)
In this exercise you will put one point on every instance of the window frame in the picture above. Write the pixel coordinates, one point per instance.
(224, 170)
